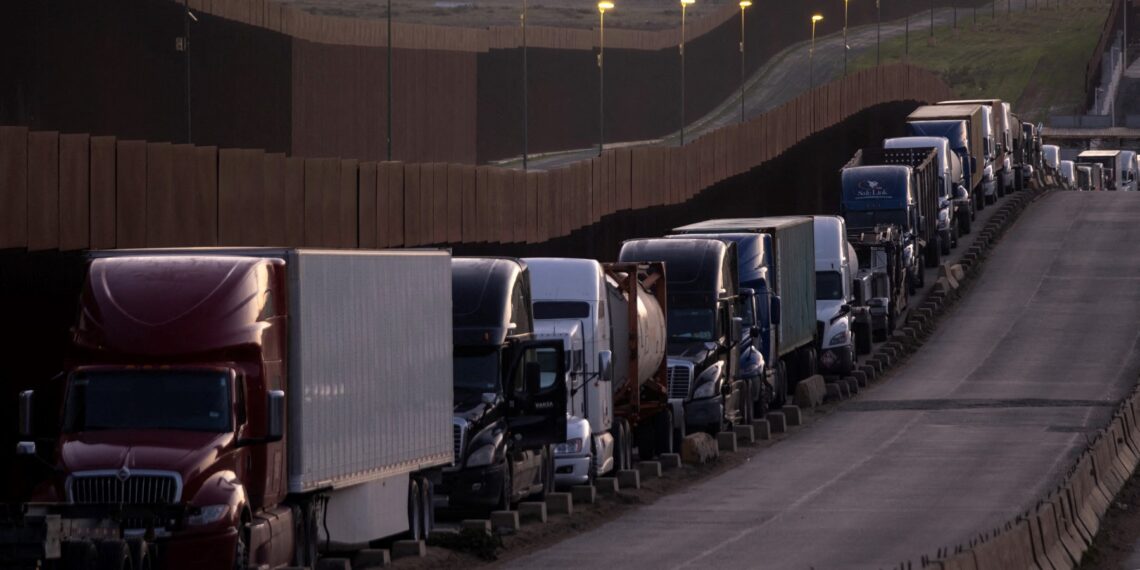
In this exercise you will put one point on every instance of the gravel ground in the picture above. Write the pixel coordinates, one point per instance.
(629, 14)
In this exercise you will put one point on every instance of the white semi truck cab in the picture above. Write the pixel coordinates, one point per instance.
(835, 268)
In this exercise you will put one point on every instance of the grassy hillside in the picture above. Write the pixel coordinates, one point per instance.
(1035, 59)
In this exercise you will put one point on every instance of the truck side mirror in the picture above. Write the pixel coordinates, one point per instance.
(737, 330)
(960, 193)
(605, 365)
(25, 420)
(532, 377)
(275, 416)
(775, 310)
(754, 331)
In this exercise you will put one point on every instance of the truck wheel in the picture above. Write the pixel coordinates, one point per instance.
(547, 475)
(781, 392)
(114, 555)
(415, 511)
(626, 446)
(506, 494)
(427, 501)
(663, 433)
(964, 225)
(767, 396)
(140, 555)
(79, 555)
(933, 252)
(747, 406)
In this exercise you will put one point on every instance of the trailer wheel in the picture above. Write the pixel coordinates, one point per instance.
(964, 225)
(415, 510)
(933, 252)
(79, 555)
(626, 447)
(427, 502)
(114, 555)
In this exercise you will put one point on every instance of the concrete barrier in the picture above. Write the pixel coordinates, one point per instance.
(504, 522)
(606, 485)
(792, 415)
(834, 394)
(584, 494)
(744, 434)
(532, 512)
(670, 460)
(762, 429)
(372, 558)
(1052, 545)
(478, 525)
(726, 441)
(649, 469)
(860, 378)
(629, 479)
(408, 549)
(698, 448)
(777, 422)
(810, 392)
(560, 503)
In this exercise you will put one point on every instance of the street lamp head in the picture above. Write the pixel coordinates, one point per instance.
(603, 6)
(745, 3)
(688, 2)
(816, 18)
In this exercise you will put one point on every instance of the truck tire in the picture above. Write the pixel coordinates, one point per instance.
(964, 225)
(623, 446)
(114, 555)
(747, 406)
(646, 441)
(415, 510)
(781, 385)
(427, 502)
(507, 492)
(140, 554)
(79, 555)
(546, 476)
(767, 396)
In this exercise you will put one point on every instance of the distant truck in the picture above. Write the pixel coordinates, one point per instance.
(880, 251)
(704, 328)
(611, 317)
(789, 335)
(962, 125)
(754, 254)
(509, 389)
(896, 187)
(836, 266)
(1113, 162)
(1068, 174)
(1129, 171)
(951, 187)
(1002, 145)
(237, 408)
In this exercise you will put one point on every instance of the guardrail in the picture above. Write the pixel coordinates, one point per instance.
(75, 191)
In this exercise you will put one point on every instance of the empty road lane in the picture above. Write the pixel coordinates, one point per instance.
(976, 426)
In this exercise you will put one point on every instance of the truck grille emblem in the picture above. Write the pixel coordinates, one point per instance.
(123, 474)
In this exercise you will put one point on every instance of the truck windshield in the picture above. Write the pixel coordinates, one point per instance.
(476, 371)
(872, 218)
(691, 324)
(561, 310)
(828, 285)
(149, 399)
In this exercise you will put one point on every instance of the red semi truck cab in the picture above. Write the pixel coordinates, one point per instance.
(172, 443)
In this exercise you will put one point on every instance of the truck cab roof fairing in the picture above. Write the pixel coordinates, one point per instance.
(876, 187)
(174, 305)
(691, 263)
(753, 257)
(488, 300)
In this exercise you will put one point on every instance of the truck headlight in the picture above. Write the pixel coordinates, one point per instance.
(570, 447)
(481, 457)
(209, 514)
(838, 339)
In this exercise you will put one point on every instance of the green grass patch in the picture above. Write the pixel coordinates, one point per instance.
(1035, 59)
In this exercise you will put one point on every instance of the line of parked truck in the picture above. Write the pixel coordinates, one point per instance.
(266, 407)
(1093, 170)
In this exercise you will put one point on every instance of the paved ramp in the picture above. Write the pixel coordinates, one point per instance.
(982, 421)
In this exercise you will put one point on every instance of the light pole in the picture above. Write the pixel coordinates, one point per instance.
(743, 5)
(878, 32)
(187, 16)
(602, 7)
(389, 80)
(932, 20)
(906, 43)
(684, 7)
(526, 94)
(811, 52)
(845, 2)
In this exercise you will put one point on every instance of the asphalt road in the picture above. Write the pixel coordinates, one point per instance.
(976, 426)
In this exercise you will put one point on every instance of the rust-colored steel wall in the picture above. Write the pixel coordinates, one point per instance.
(81, 192)
(263, 75)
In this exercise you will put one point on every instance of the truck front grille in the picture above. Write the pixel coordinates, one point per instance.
(130, 488)
(459, 435)
(680, 380)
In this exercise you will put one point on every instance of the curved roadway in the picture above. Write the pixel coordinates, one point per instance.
(973, 429)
